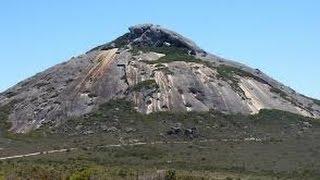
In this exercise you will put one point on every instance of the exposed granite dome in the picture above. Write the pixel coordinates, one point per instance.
(158, 70)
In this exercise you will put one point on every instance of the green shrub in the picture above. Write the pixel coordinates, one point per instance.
(278, 91)
(141, 152)
(228, 72)
(84, 174)
(170, 175)
(163, 68)
(171, 54)
(4, 116)
(147, 84)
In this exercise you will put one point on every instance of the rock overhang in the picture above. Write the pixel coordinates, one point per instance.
(157, 36)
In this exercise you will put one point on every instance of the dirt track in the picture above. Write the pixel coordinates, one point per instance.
(124, 144)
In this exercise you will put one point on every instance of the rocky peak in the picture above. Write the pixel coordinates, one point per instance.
(151, 35)
(155, 35)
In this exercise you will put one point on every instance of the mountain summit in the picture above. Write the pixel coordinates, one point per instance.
(155, 68)
(153, 36)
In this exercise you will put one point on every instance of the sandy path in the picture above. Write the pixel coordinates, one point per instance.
(121, 145)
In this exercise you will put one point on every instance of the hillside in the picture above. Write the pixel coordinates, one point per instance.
(157, 69)
(117, 142)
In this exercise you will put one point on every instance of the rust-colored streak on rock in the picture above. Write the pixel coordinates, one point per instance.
(103, 60)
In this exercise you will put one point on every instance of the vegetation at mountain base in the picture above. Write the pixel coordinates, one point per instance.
(184, 161)
(261, 146)
(5, 125)
(121, 112)
(4, 115)
(4, 118)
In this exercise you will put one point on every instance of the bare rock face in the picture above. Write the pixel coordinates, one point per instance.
(157, 69)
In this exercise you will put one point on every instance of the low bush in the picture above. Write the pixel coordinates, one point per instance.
(147, 84)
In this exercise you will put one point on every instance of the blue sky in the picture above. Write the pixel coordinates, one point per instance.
(279, 37)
